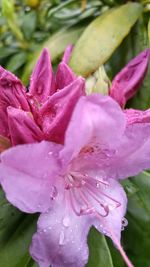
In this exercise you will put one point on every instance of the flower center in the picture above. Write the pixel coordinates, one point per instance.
(89, 195)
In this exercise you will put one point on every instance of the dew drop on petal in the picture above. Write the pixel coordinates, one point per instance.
(61, 238)
(54, 193)
(66, 221)
(124, 222)
(98, 185)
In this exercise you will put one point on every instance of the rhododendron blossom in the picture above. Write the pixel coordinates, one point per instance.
(75, 185)
(129, 79)
(43, 112)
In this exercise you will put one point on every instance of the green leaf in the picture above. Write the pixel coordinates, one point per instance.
(137, 235)
(16, 61)
(102, 37)
(129, 187)
(99, 251)
(29, 24)
(16, 230)
(56, 45)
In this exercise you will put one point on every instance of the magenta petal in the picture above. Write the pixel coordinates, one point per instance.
(12, 93)
(129, 79)
(42, 79)
(67, 54)
(56, 112)
(64, 76)
(61, 239)
(26, 185)
(22, 127)
(137, 116)
(97, 120)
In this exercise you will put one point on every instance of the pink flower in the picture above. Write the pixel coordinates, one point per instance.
(129, 79)
(75, 185)
(43, 112)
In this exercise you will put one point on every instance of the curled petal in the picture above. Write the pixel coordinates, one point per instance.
(61, 239)
(56, 112)
(129, 79)
(137, 116)
(22, 127)
(12, 93)
(27, 187)
(67, 53)
(64, 76)
(42, 79)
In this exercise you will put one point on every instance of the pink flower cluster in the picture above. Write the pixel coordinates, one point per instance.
(68, 153)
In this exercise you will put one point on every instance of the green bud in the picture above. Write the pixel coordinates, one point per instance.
(98, 82)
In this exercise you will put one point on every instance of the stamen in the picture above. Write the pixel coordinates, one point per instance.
(91, 191)
(91, 209)
(83, 190)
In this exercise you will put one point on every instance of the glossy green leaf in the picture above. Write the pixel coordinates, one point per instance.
(99, 251)
(16, 231)
(137, 235)
(56, 45)
(102, 37)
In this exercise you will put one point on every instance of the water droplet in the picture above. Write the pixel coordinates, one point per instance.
(124, 222)
(54, 193)
(61, 238)
(66, 221)
(44, 230)
(50, 153)
(104, 232)
(98, 185)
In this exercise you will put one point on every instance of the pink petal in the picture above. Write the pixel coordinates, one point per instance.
(133, 155)
(129, 79)
(22, 127)
(56, 112)
(61, 238)
(112, 223)
(137, 116)
(67, 53)
(12, 93)
(64, 76)
(42, 79)
(28, 186)
(99, 120)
